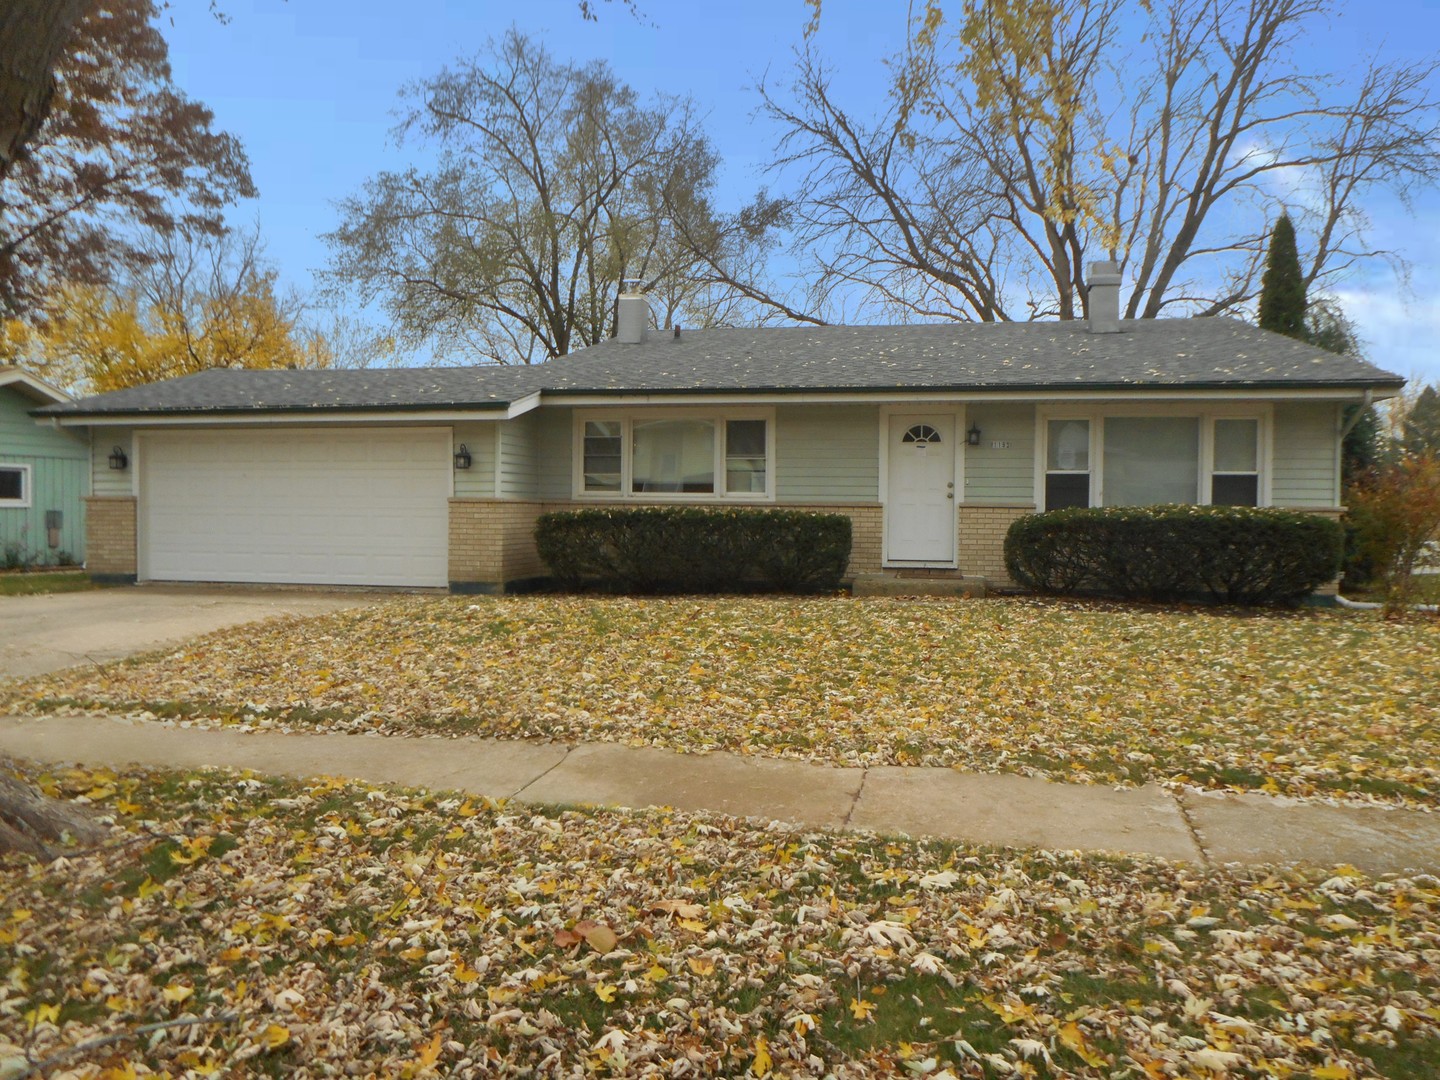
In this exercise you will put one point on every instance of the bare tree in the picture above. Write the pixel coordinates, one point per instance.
(1027, 137)
(554, 183)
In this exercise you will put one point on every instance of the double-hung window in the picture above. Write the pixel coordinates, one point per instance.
(1235, 467)
(1134, 458)
(14, 485)
(676, 455)
(1067, 463)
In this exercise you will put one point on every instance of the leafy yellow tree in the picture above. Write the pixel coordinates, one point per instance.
(196, 306)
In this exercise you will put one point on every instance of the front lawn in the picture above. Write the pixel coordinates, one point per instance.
(1302, 703)
(326, 929)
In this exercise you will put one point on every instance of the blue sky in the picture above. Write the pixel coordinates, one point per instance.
(310, 86)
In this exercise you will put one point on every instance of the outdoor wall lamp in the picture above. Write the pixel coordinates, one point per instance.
(118, 460)
(972, 437)
(462, 457)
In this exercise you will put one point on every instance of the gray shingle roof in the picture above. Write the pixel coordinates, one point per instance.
(1166, 353)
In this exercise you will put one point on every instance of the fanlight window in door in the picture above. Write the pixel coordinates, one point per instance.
(922, 435)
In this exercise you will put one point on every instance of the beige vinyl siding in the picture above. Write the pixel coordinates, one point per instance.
(518, 457)
(827, 453)
(103, 479)
(1001, 475)
(554, 440)
(478, 481)
(1305, 441)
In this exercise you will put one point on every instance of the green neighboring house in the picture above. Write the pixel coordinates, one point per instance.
(44, 477)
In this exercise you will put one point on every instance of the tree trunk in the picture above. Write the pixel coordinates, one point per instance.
(33, 34)
(30, 822)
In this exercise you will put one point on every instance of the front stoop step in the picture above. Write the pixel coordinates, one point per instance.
(893, 585)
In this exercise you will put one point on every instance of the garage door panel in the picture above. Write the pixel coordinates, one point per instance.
(362, 507)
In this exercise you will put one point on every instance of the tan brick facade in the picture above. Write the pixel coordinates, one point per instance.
(867, 532)
(110, 536)
(982, 540)
(492, 540)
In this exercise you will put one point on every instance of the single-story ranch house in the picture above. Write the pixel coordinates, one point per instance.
(931, 438)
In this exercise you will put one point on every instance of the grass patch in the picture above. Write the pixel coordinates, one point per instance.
(34, 583)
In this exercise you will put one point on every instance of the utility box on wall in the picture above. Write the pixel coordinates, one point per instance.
(54, 521)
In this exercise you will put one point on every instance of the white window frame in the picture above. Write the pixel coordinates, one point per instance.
(627, 417)
(1208, 471)
(26, 490)
(1205, 413)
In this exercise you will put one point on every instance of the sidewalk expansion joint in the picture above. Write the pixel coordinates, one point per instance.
(864, 775)
(570, 749)
(1179, 799)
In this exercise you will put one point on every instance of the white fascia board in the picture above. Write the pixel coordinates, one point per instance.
(939, 397)
(520, 406)
(38, 390)
(260, 419)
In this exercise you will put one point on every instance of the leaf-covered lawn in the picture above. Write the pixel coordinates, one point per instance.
(330, 929)
(1300, 703)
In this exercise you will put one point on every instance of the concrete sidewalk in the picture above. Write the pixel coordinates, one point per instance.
(973, 807)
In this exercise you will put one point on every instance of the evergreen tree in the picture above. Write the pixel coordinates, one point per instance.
(1282, 289)
(1420, 430)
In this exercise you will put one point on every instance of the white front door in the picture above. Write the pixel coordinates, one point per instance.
(920, 490)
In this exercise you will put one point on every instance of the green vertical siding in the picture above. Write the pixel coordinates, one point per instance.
(1305, 441)
(1001, 475)
(478, 481)
(827, 453)
(57, 481)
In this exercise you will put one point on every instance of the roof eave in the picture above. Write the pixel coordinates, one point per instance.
(63, 413)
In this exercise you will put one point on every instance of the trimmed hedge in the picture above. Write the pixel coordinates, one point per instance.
(1228, 554)
(695, 549)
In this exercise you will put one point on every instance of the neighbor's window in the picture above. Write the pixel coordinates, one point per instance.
(14, 485)
(639, 456)
(673, 456)
(1151, 459)
(1235, 477)
(1067, 464)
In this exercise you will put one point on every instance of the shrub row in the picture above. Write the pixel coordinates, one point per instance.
(1229, 554)
(695, 549)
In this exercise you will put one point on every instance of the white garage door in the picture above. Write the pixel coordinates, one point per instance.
(354, 507)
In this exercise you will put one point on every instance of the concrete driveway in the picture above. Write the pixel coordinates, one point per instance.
(45, 633)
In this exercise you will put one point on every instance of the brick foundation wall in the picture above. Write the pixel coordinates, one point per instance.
(867, 530)
(110, 536)
(982, 540)
(492, 540)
